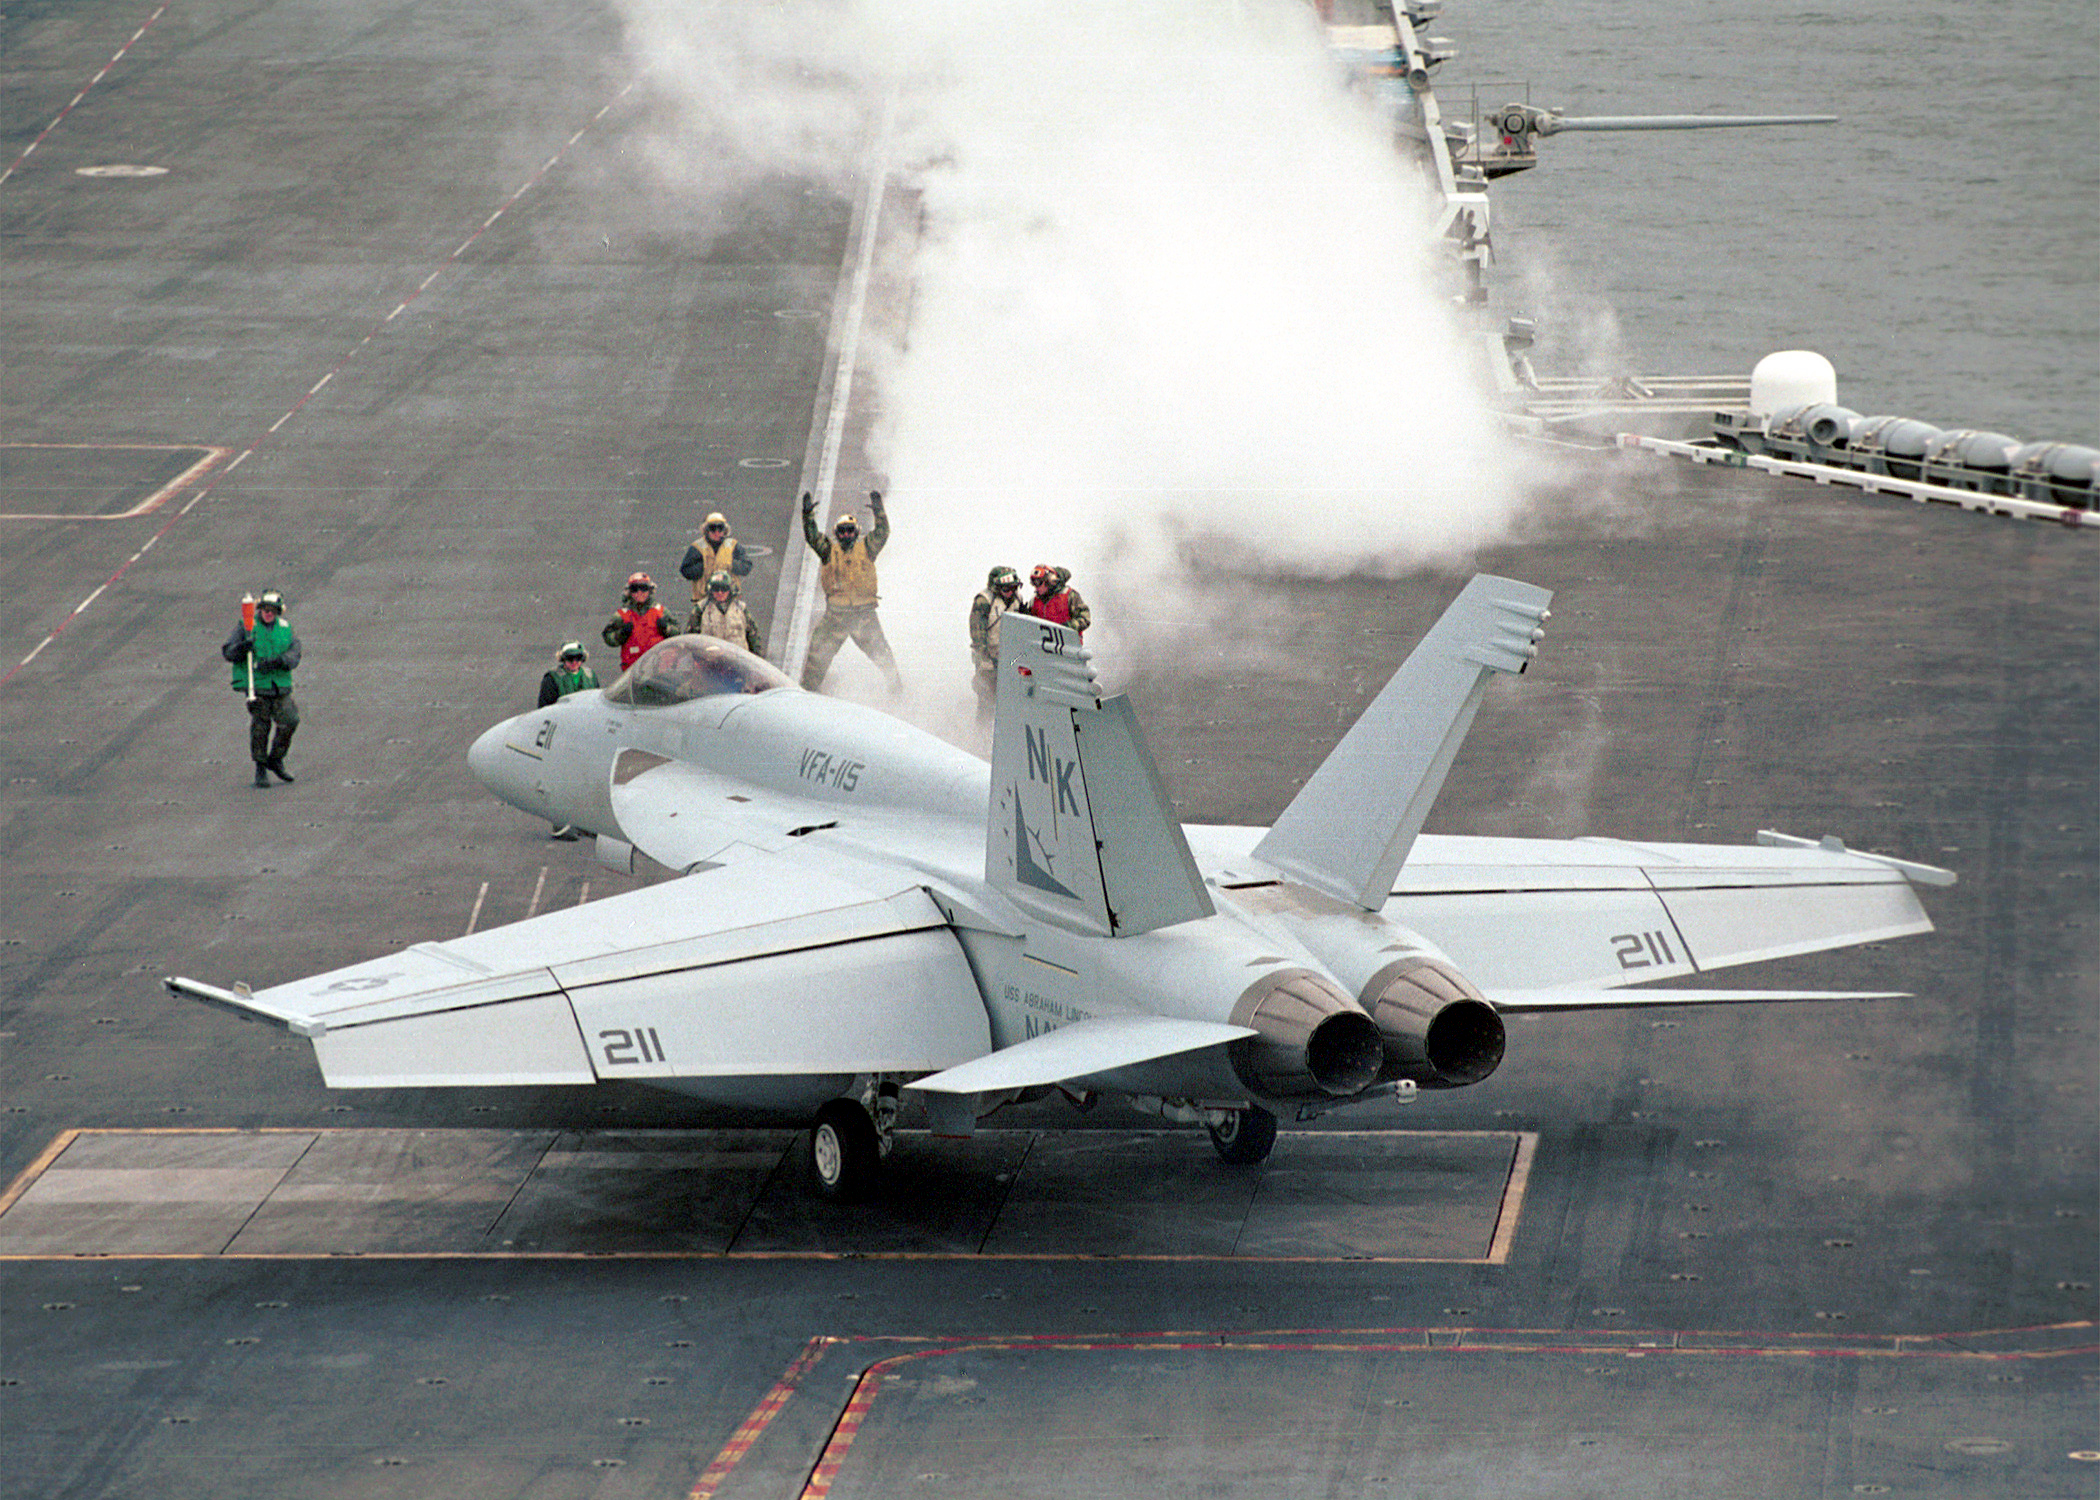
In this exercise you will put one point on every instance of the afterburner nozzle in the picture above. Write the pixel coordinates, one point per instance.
(1314, 1039)
(1437, 1029)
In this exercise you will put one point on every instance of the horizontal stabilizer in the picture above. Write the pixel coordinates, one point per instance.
(1524, 1002)
(1084, 1047)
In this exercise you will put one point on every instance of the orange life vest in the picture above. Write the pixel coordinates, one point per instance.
(647, 629)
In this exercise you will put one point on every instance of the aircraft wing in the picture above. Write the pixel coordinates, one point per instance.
(785, 964)
(1529, 918)
(1540, 914)
(1514, 1002)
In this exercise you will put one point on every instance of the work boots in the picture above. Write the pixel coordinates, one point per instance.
(275, 759)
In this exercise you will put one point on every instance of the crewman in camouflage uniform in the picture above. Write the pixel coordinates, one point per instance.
(1054, 599)
(723, 616)
(1002, 592)
(713, 551)
(263, 660)
(848, 577)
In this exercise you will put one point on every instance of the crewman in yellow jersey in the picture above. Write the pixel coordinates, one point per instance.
(847, 573)
(713, 551)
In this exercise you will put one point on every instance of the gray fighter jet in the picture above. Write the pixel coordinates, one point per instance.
(866, 912)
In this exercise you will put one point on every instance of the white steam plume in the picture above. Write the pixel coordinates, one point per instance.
(1172, 296)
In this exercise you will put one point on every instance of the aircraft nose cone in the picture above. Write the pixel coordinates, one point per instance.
(486, 757)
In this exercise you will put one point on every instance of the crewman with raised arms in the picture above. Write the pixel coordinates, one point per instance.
(848, 578)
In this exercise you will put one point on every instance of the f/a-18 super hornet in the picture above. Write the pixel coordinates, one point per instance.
(866, 914)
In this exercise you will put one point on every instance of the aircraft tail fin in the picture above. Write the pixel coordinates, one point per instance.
(1080, 831)
(1349, 829)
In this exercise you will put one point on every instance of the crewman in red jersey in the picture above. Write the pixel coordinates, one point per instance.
(640, 622)
(1056, 600)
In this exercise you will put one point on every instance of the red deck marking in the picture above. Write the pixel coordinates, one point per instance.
(154, 501)
(762, 1415)
(313, 390)
(75, 100)
(1424, 1340)
(843, 1431)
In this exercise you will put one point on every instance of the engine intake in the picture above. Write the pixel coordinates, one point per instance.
(1436, 1028)
(1315, 1041)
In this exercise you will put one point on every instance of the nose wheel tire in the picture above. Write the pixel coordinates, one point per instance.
(1246, 1138)
(845, 1152)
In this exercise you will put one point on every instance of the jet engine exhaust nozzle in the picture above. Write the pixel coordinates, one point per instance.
(1438, 1030)
(1314, 1039)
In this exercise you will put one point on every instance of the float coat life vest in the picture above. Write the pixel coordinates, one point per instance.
(1056, 608)
(647, 628)
(848, 576)
(271, 642)
(713, 560)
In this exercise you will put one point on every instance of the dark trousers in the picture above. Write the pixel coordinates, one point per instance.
(833, 630)
(272, 718)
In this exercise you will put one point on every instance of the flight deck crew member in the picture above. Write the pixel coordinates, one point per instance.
(640, 622)
(570, 673)
(1055, 599)
(848, 577)
(1002, 592)
(713, 551)
(263, 660)
(723, 616)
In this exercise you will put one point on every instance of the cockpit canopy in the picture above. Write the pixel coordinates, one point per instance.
(686, 667)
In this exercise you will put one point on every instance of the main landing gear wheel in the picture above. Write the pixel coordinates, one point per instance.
(1246, 1137)
(844, 1151)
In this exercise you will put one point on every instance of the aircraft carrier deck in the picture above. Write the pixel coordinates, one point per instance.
(375, 337)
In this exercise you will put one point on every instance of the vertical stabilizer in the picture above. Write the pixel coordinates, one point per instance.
(1348, 830)
(1081, 832)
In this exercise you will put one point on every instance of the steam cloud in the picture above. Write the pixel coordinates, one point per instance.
(1172, 297)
